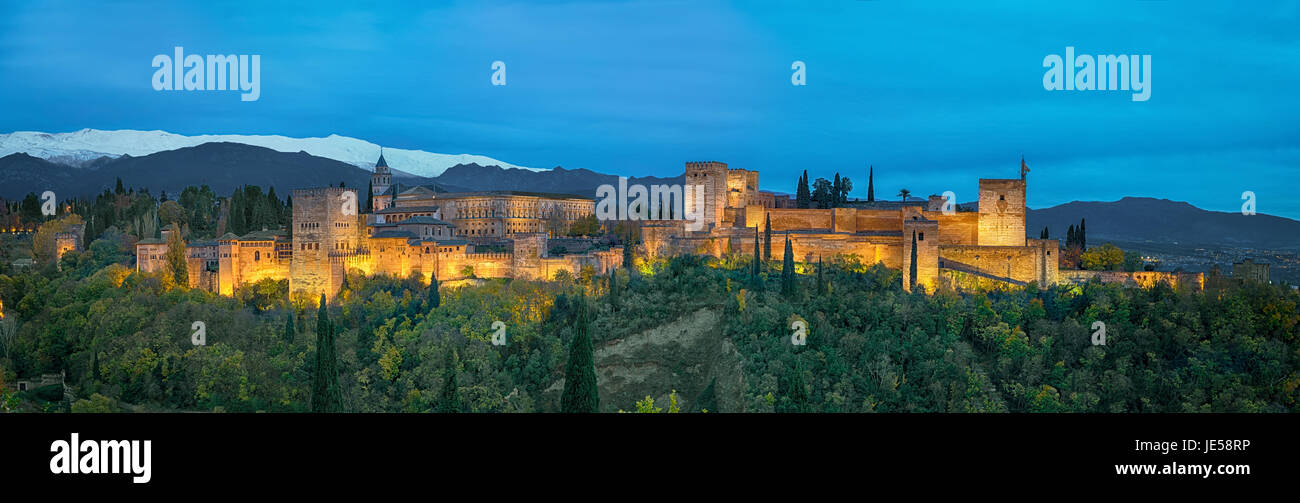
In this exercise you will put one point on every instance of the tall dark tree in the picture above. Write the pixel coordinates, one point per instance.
(787, 269)
(802, 196)
(911, 269)
(823, 194)
(435, 298)
(118, 189)
(629, 257)
(449, 397)
(871, 184)
(370, 196)
(325, 393)
(289, 330)
(580, 394)
(30, 210)
(754, 279)
(1083, 234)
(767, 239)
(1043, 235)
(1070, 237)
(836, 190)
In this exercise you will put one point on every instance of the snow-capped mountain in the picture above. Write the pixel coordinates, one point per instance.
(79, 147)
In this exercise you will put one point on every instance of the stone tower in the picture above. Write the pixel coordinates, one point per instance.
(1002, 212)
(325, 220)
(382, 178)
(713, 176)
(927, 252)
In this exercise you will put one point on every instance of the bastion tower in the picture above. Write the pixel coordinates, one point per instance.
(713, 176)
(1002, 211)
(325, 220)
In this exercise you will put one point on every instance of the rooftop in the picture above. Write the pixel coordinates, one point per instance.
(407, 209)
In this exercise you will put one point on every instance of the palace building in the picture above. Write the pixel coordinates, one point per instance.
(418, 230)
(964, 248)
(413, 230)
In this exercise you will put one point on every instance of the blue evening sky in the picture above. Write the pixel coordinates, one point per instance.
(933, 94)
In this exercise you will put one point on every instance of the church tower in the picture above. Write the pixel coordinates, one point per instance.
(380, 181)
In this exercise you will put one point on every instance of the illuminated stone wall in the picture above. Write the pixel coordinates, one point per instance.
(1142, 279)
(320, 227)
(1001, 212)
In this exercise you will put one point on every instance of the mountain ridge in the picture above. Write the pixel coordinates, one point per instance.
(86, 145)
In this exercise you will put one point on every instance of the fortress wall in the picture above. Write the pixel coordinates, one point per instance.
(257, 261)
(957, 229)
(876, 220)
(1019, 263)
(807, 247)
(845, 219)
(793, 219)
(1142, 279)
(488, 265)
(1048, 260)
(392, 256)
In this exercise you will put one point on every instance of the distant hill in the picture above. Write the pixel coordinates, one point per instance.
(222, 166)
(581, 182)
(1145, 219)
(225, 166)
(81, 148)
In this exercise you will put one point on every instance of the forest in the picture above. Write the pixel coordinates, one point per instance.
(122, 339)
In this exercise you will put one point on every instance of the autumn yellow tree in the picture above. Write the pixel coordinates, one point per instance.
(43, 245)
(1107, 257)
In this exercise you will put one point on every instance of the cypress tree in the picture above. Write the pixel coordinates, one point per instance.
(836, 188)
(871, 184)
(370, 195)
(580, 394)
(289, 330)
(912, 268)
(1083, 234)
(1069, 237)
(325, 393)
(449, 397)
(435, 299)
(787, 269)
(767, 239)
(802, 196)
(176, 256)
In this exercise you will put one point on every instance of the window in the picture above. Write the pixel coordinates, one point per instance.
(920, 237)
(1002, 197)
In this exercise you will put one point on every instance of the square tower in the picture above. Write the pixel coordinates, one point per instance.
(713, 176)
(1002, 212)
(325, 220)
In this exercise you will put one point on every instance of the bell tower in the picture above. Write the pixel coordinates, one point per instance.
(380, 181)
